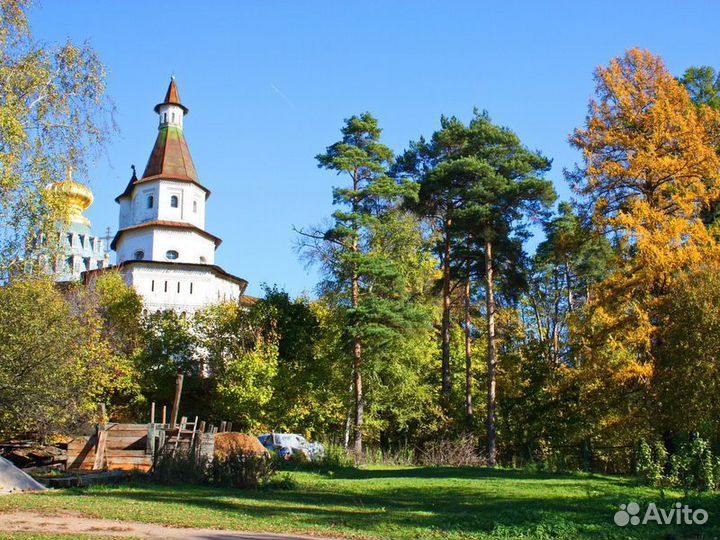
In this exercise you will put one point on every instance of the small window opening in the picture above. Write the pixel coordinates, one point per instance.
(150, 201)
(195, 207)
(178, 286)
(174, 201)
(166, 286)
(152, 286)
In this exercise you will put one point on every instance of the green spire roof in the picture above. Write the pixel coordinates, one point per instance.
(170, 157)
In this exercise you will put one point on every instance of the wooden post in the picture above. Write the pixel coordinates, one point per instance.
(229, 426)
(222, 426)
(164, 415)
(176, 403)
(201, 427)
(102, 415)
(100, 460)
(152, 412)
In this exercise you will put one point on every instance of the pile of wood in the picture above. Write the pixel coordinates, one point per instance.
(32, 457)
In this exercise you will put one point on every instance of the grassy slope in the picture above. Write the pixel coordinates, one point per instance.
(393, 503)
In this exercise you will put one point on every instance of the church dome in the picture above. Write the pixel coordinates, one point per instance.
(76, 196)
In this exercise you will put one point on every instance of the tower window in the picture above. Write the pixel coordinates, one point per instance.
(171, 254)
(178, 286)
(166, 286)
(191, 287)
(195, 207)
(165, 118)
(139, 255)
(150, 201)
(174, 201)
(173, 117)
(152, 286)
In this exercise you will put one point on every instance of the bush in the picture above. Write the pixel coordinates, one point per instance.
(460, 452)
(336, 457)
(230, 468)
(693, 467)
(240, 470)
(183, 466)
(652, 463)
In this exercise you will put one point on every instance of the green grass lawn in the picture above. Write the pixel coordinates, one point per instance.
(393, 503)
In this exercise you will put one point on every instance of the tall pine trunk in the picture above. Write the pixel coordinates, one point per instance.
(468, 363)
(446, 381)
(492, 355)
(357, 345)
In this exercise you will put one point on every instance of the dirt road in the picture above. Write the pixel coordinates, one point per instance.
(76, 524)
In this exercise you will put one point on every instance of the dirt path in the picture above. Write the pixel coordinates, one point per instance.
(70, 524)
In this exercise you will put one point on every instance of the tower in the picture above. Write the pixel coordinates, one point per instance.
(79, 250)
(163, 249)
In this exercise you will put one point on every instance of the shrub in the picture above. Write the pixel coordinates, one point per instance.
(240, 470)
(694, 467)
(336, 457)
(183, 466)
(460, 452)
(652, 463)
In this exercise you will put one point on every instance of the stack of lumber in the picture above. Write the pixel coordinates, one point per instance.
(33, 456)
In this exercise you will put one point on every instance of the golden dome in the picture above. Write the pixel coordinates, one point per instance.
(77, 197)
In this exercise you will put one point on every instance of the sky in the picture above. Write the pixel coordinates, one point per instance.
(269, 83)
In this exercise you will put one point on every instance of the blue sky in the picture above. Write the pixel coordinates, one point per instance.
(269, 83)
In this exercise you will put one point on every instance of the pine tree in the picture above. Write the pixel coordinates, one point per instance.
(361, 280)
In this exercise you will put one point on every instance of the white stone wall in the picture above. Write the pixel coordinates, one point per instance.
(154, 243)
(171, 115)
(191, 204)
(182, 290)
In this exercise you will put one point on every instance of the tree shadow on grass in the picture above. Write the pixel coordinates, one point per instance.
(398, 510)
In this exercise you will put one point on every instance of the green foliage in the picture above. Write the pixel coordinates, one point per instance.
(181, 466)
(238, 470)
(652, 463)
(56, 361)
(703, 85)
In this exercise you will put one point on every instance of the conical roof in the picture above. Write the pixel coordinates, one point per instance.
(172, 97)
(170, 156)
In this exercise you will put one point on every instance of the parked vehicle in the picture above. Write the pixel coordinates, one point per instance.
(292, 446)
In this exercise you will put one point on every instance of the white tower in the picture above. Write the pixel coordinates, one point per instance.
(162, 246)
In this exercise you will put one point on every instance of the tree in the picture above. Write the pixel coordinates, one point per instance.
(703, 85)
(505, 187)
(363, 282)
(53, 113)
(439, 198)
(54, 366)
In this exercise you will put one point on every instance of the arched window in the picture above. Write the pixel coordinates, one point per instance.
(150, 201)
(165, 118)
(174, 201)
(195, 207)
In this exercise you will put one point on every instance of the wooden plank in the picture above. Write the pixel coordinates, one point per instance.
(119, 453)
(128, 427)
(152, 412)
(133, 443)
(100, 461)
(133, 460)
(222, 426)
(137, 433)
(176, 402)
